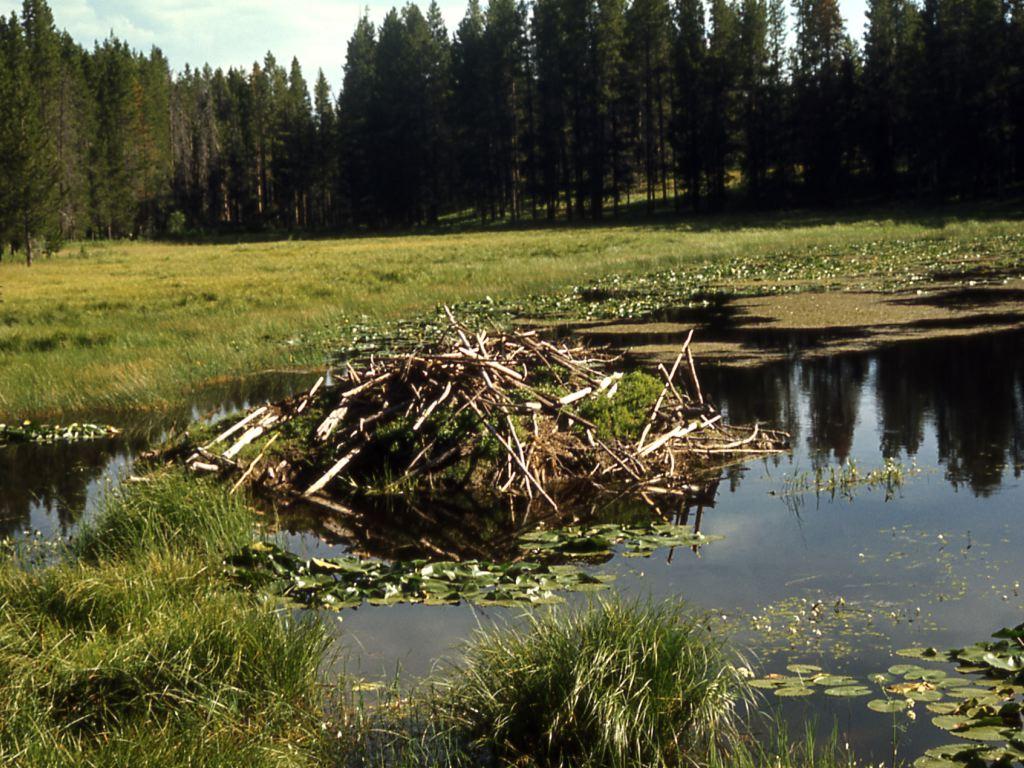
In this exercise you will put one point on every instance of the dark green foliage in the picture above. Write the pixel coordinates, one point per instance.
(559, 108)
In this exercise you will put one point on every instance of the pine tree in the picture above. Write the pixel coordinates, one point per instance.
(74, 131)
(151, 140)
(818, 77)
(355, 103)
(722, 74)
(614, 98)
(296, 140)
(648, 28)
(890, 49)
(552, 147)
(30, 164)
(1015, 86)
(438, 114)
(761, 47)
(505, 68)
(324, 177)
(689, 102)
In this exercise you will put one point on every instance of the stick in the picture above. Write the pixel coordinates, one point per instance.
(508, 448)
(244, 422)
(333, 471)
(252, 466)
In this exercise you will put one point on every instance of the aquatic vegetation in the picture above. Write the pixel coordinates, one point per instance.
(346, 582)
(614, 685)
(984, 703)
(28, 432)
(845, 479)
(596, 540)
(869, 265)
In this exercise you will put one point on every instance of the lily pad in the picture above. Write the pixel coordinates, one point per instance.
(918, 652)
(887, 705)
(927, 761)
(848, 691)
(985, 733)
(833, 681)
(803, 669)
(948, 722)
(902, 670)
(793, 691)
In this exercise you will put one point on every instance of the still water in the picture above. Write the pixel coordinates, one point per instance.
(939, 562)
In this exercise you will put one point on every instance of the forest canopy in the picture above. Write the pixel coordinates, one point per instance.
(548, 109)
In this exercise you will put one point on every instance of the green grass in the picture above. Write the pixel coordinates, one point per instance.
(105, 326)
(619, 684)
(134, 651)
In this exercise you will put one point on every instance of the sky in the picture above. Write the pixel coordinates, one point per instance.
(227, 33)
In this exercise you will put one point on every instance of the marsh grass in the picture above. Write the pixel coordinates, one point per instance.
(778, 749)
(118, 325)
(616, 684)
(134, 651)
(167, 514)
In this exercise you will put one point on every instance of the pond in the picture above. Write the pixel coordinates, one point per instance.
(839, 581)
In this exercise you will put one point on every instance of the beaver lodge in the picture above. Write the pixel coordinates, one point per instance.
(506, 415)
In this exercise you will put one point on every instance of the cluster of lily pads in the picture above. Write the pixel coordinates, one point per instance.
(346, 582)
(598, 540)
(27, 432)
(981, 704)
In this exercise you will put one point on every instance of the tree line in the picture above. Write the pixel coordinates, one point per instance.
(550, 109)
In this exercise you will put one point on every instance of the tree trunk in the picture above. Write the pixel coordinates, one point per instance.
(28, 245)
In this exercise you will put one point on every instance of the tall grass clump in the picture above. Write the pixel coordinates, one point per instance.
(170, 513)
(134, 650)
(617, 684)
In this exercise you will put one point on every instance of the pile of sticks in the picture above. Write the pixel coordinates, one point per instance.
(473, 394)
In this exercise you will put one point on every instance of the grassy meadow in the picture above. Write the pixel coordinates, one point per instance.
(137, 325)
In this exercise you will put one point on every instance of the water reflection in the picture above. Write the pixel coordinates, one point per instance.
(50, 487)
(457, 527)
(968, 391)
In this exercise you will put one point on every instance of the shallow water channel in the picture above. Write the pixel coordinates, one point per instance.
(839, 581)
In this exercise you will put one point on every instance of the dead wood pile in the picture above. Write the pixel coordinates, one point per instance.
(513, 396)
